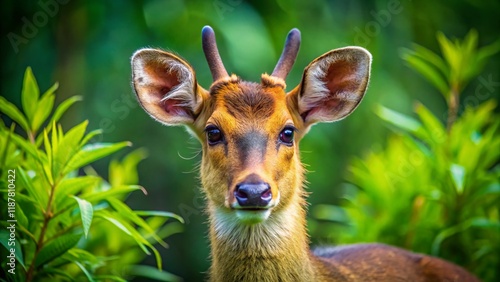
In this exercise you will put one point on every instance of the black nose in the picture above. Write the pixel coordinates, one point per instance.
(253, 195)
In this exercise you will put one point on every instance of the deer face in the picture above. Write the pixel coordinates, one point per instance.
(250, 131)
(250, 162)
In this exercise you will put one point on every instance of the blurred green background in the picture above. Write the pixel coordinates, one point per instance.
(87, 45)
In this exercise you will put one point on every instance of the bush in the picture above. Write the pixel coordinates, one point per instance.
(68, 222)
(435, 187)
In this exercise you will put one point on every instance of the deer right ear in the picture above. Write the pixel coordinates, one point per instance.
(332, 85)
(166, 87)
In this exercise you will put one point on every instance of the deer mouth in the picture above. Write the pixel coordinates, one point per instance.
(253, 215)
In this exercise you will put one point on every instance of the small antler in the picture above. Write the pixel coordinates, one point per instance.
(289, 54)
(212, 53)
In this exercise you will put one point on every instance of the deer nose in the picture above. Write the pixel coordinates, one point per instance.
(253, 195)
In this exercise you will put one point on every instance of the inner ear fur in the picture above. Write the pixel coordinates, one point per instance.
(166, 87)
(333, 85)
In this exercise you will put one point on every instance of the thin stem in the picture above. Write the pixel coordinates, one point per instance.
(453, 104)
(31, 137)
(40, 243)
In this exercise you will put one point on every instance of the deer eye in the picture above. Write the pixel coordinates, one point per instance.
(214, 135)
(286, 135)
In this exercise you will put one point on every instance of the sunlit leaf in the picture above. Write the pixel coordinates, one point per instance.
(109, 278)
(14, 113)
(61, 109)
(56, 247)
(25, 180)
(152, 273)
(129, 214)
(21, 218)
(125, 172)
(431, 58)
(30, 94)
(449, 50)
(72, 186)
(90, 135)
(67, 148)
(130, 230)
(160, 214)
(85, 271)
(86, 212)
(93, 152)
(114, 192)
(482, 57)
(429, 72)
(458, 176)
(126, 228)
(42, 111)
(400, 121)
(433, 126)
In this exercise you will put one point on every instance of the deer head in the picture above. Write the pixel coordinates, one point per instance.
(249, 131)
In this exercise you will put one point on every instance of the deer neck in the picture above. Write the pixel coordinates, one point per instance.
(275, 250)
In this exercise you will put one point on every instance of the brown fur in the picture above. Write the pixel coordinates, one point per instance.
(250, 117)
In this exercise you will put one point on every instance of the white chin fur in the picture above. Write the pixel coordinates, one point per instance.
(253, 216)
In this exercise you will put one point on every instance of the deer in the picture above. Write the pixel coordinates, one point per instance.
(251, 172)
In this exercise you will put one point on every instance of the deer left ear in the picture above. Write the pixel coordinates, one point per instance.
(332, 85)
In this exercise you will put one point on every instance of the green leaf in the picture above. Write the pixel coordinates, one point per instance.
(61, 109)
(85, 271)
(52, 270)
(399, 120)
(152, 273)
(160, 214)
(21, 217)
(67, 148)
(431, 58)
(469, 43)
(125, 172)
(89, 136)
(56, 248)
(458, 176)
(4, 240)
(115, 191)
(72, 186)
(483, 55)
(43, 108)
(429, 72)
(30, 94)
(433, 126)
(129, 214)
(130, 230)
(14, 113)
(126, 228)
(29, 148)
(86, 212)
(93, 152)
(482, 222)
(41, 197)
(443, 235)
(450, 52)
(109, 278)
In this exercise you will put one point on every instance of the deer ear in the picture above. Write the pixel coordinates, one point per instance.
(166, 87)
(333, 85)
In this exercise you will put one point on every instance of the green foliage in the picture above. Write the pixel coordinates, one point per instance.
(433, 189)
(462, 62)
(72, 224)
